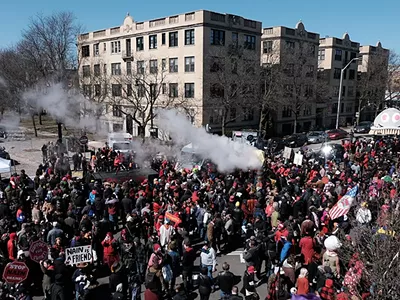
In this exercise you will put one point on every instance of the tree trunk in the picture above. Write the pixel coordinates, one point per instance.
(295, 124)
(34, 125)
(223, 124)
(359, 112)
(40, 118)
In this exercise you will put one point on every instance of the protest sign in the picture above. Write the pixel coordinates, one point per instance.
(287, 152)
(15, 272)
(38, 251)
(76, 255)
(298, 159)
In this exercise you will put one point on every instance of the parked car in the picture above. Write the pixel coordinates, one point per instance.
(363, 127)
(295, 140)
(337, 134)
(274, 144)
(315, 137)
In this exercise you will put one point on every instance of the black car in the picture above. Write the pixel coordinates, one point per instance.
(295, 140)
(363, 127)
(274, 144)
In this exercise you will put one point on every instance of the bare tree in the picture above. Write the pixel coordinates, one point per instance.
(374, 85)
(140, 92)
(234, 80)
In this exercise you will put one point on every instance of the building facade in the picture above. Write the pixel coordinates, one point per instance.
(333, 55)
(170, 56)
(373, 68)
(294, 51)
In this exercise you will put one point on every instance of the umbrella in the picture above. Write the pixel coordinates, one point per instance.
(387, 178)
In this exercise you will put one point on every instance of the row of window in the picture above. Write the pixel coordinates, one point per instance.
(173, 67)
(352, 74)
(247, 115)
(338, 55)
(141, 91)
(348, 89)
(217, 37)
(287, 111)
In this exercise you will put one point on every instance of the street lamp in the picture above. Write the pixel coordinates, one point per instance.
(340, 89)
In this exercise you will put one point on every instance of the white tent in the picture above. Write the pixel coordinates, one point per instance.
(5, 165)
(387, 123)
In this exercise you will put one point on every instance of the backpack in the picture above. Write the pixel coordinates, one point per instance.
(151, 281)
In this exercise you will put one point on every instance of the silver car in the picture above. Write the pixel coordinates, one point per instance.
(315, 137)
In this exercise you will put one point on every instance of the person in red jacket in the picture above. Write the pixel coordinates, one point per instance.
(307, 244)
(12, 246)
(110, 253)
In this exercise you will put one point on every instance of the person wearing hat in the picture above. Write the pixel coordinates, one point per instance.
(156, 258)
(249, 285)
(117, 277)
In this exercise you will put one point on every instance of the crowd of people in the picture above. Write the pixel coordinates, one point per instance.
(166, 238)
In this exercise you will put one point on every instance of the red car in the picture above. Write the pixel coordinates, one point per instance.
(337, 134)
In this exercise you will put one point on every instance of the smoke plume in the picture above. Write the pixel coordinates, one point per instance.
(66, 106)
(228, 155)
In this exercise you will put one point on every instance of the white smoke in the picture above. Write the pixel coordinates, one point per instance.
(227, 154)
(65, 106)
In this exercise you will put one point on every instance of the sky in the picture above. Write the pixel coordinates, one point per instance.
(366, 21)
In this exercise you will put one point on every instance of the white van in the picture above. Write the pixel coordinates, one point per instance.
(120, 141)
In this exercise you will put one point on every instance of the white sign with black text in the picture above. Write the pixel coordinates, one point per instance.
(76, 255)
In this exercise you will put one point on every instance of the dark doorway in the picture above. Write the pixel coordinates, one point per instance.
(129, 124)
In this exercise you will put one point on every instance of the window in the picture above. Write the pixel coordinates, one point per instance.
(217, 91)
(267, 46)
(116, 69)
(164, 88)
(163, 39)
(173, 39)
(216, 65)
(349, 107)
(129, 89)
(85, 51)
(189, 37)
(173, 65)
(312, 50)
(153, 66)
(96, 50)
(352, 74)
(335, 91)
(164, 64)
(116, 90)
(96, 70)
(288, 90)
(116, 47)
(307, 110)
(336, 73)
(344, 73)
(140, 66)
(104, 47)
(310, 71)
(248, 114)
(232, 113)
(173, 90)
(128, 68)
(117, 127)
(87, 90)
(189, 64)
(235, 40)
(105, 68)
(321, 54)
(343, 91)
(286, 112)
(97, 90)
(338, 55)
(308, 90)
(290, 45)
(217, 37)
(153, 41)
(250, 42)
(353, 55)
(189, 90)
(116, 109)
(141, 91)
(350, 91)
(139, 44)
(86, 71)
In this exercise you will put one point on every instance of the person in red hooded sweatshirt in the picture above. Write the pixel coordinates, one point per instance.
(12, 246)
(307, 245)
(109, 250)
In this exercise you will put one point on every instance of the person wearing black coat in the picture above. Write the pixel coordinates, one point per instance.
(235, 294)
(205, 284)
(225, 280)
(117, 277)
(57, 289)
(249, 285)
